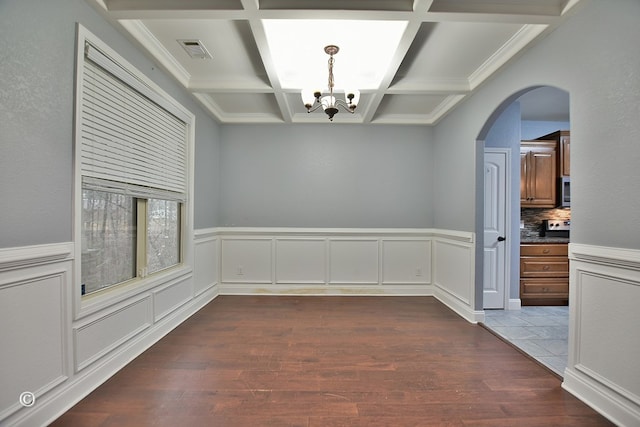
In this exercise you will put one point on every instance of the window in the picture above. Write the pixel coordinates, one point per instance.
(132, 142)
(163, 234)
(108, 239)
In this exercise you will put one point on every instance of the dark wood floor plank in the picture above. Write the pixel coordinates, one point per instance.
(330, 361)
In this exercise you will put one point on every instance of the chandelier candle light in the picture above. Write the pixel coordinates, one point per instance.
(312, 100)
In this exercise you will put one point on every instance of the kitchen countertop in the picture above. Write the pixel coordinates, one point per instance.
(546, 239)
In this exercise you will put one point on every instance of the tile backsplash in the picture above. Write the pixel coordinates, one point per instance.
(533, 217)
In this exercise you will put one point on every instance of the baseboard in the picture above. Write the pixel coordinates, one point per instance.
(52, 406)
(514, 304)
(462, 308)
(611, 405)
(323, 289)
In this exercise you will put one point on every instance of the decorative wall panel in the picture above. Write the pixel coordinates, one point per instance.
(33, 345)
(301, 260)
(171, 297)
(353, 262)
(406, 261)
(103, 333)
(318, 261)
(206, 257)
(453, 269)
(604, 346)
(246, 260)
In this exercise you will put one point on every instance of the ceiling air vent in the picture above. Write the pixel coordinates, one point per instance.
(195, 49)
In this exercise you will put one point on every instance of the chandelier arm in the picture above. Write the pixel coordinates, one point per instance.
(347, 107)
(315, 106)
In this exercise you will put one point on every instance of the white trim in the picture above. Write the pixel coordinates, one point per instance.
(17, 285)
(464, 236)
(56, 403)
(455, 290)
(203, 233)
(315, 289)
(78, 376)
(142, 34)
(607, 278)
(514, 304)
(114, 295)
(602, 255)
(525, 35)
(606, 402)
(29, 256)
(144, 301)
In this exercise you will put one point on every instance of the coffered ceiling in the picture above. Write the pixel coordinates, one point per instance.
(412, 60)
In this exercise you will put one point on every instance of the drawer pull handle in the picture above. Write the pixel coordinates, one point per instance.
(545, 251)
(545, 268)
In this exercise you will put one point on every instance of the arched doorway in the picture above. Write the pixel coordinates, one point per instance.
(542, 332)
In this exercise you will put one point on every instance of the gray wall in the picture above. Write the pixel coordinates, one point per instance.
(37, 44)
(207, 173)
(335, 176)
(603, 80)
(326, 176)
(532, 129)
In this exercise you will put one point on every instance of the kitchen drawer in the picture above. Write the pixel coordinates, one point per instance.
(544, 266)
(544, 250)
(544, 288)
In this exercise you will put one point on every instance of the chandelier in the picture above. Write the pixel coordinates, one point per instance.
(313, 99)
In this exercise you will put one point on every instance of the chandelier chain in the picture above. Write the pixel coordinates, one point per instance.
(331, 83)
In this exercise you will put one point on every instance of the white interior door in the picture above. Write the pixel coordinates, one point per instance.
(495, 216)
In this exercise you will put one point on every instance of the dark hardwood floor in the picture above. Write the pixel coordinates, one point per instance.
(330, 361)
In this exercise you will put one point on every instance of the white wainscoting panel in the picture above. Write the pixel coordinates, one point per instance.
(453, 268)
(604, 342)
(101, 333)
(206, 259)
(353, 261)
(322, 261)
(301, 260)
(170, 297)
(34, 331)
(406, 261)
(45, 349)
(453, 273)
(247, 260)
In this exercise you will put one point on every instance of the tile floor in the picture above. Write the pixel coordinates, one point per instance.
(541, 332)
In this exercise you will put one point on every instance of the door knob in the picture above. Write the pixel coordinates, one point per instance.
(501, 238)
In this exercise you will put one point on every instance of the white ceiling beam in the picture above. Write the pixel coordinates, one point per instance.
(197, 9)
(409, 35)
(265, 53)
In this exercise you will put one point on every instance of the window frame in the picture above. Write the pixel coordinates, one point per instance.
(143, 283)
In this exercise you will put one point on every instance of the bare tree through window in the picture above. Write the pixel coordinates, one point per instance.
(108, 239)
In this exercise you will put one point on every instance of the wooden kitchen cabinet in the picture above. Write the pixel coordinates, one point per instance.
(538, 174)
(563, 140)
(544, 274)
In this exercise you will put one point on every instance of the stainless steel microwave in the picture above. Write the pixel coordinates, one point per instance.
(564, 192)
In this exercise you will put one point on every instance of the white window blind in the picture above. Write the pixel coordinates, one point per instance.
(132, 141)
